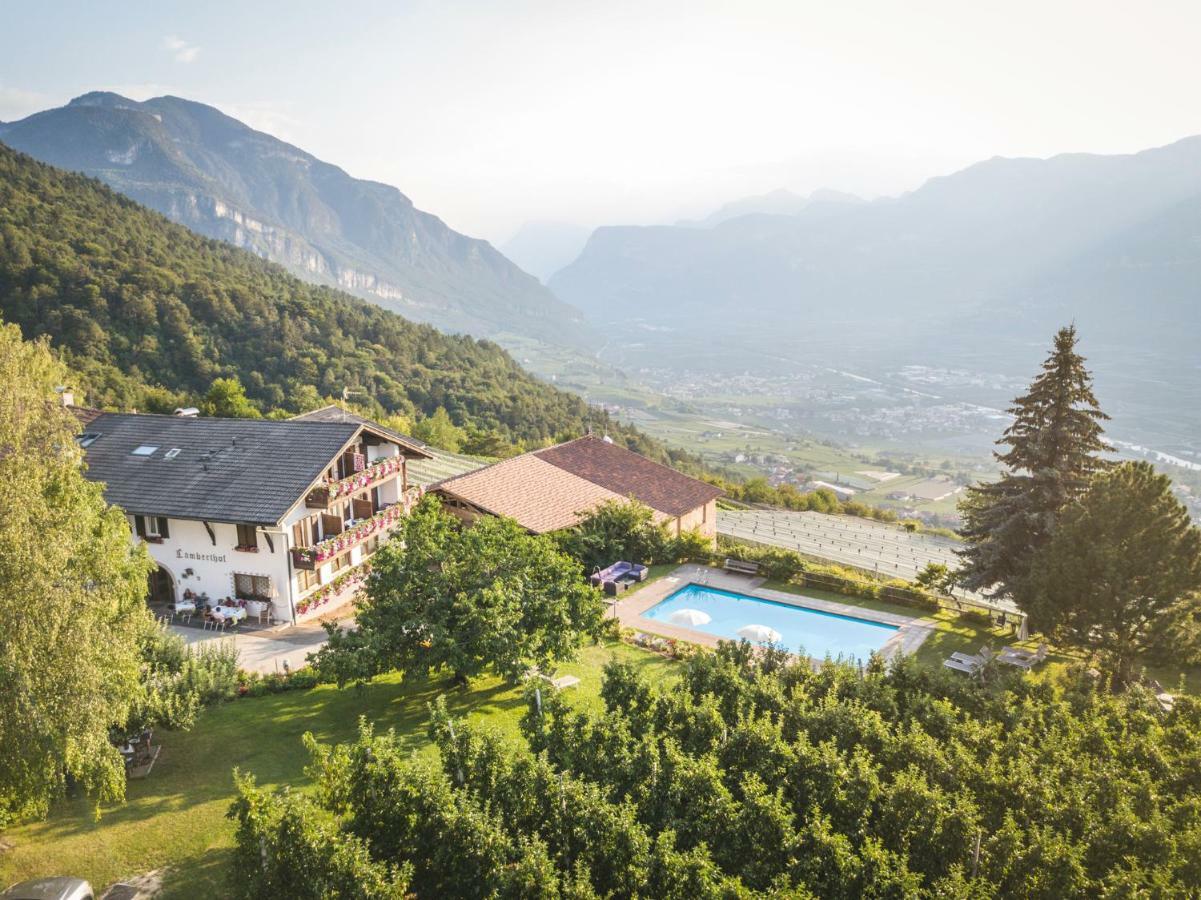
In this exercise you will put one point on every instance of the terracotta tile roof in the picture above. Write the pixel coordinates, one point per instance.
(554, 488)
(540, 496)
(628, 473)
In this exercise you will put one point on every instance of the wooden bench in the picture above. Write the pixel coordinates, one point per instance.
(741, 567)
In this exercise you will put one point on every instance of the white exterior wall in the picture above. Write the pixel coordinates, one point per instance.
(390, 492)
(195, 563)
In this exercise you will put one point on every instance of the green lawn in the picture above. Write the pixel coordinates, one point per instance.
(953, 634)
(176, 817)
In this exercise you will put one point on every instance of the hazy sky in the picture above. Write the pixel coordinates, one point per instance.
(490, 114)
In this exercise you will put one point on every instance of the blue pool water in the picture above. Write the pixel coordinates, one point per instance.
(809, 631)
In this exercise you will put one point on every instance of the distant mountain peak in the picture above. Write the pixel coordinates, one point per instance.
(779, 202)
(103, 98)
(224, 179)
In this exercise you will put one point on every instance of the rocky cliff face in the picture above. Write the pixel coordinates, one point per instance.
(225, 180)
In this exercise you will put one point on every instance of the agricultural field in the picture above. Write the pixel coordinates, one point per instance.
(886, 550)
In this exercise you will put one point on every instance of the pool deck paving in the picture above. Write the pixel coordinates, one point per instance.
(629, 610)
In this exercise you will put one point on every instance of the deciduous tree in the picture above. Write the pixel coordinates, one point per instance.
(616, 530)
(228, 398)
(72, 593)
(437, 429)
(489, 596)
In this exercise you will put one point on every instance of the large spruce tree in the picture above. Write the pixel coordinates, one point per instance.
(1054, 447)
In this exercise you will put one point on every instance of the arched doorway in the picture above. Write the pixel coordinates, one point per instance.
(162, 588)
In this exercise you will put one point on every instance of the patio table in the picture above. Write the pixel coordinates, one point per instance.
(235, 613)
(185, 606)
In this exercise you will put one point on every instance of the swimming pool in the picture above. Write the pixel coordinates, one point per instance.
(812, 632)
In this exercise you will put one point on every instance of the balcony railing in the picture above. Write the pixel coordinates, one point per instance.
(323, 496)
(312, 557)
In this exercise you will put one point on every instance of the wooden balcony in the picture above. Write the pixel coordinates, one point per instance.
(323, 495)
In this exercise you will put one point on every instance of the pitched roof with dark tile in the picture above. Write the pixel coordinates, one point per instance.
(226, 470)
(628, 473)
(336, 413)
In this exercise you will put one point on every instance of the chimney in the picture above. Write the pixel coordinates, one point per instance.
(66, 396)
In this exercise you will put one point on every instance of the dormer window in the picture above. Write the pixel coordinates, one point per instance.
(248, 539)
(152, 529)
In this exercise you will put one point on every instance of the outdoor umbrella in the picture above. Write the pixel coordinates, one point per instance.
(690, 617)
(760, 634)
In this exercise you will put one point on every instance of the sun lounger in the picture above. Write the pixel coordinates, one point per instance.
(1022, 658)
(967, 664)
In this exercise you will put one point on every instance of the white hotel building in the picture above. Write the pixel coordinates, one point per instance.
(278, 513)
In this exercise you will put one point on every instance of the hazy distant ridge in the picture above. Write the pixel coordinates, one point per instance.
(1113, 241)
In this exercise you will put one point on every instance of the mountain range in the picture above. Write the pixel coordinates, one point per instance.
(970, 274)
(1019, 243)
(223, 179)
(780, 202)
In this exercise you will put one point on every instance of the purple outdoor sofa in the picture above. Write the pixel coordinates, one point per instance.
(618, 577)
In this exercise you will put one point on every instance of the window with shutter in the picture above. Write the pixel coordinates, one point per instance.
(162, 527)
(150, 528)
(248, 538)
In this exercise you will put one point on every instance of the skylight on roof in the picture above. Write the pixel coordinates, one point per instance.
(88, 438)
(172, 453)
(143, 450)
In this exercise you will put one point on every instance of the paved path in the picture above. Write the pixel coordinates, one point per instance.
(267, 651)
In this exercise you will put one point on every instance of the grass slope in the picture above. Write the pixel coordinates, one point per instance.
(176, 817)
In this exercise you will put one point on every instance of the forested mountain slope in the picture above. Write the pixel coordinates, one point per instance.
(223, 179)
(150, 313)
